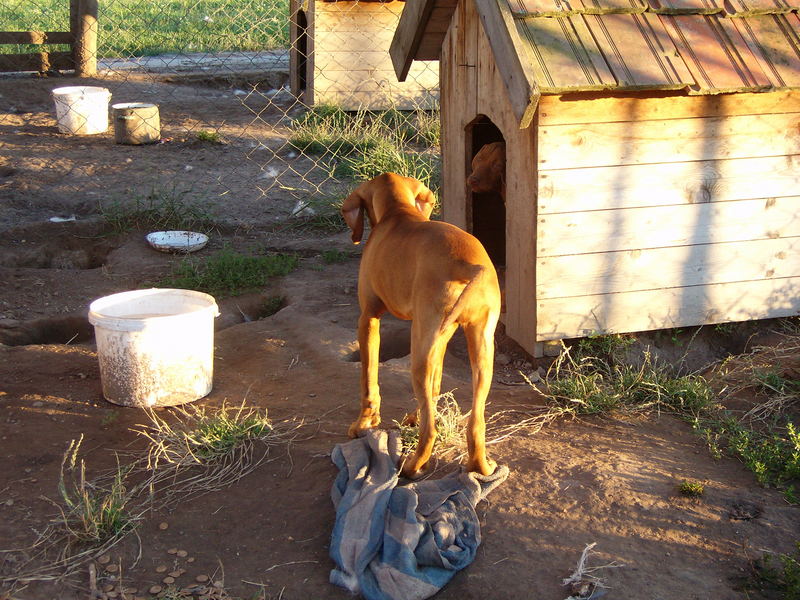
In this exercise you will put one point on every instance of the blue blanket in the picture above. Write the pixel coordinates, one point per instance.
(404, 542)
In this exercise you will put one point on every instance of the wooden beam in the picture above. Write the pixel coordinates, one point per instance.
(409, 34)
(36, 37)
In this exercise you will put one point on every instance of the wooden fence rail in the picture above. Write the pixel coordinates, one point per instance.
(81, 37)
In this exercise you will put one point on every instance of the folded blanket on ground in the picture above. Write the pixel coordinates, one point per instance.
(404, 542)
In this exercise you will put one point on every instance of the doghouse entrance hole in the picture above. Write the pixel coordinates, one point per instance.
(486, 212)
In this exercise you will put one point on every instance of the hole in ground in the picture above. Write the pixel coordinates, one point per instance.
(66, 329)
(56, 246)
(395, 341)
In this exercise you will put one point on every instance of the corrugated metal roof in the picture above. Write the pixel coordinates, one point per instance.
(704, 46)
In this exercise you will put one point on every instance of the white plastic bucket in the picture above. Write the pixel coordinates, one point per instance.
(81, 109)
(155, 347)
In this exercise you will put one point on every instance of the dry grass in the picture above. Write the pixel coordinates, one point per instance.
(194, 451)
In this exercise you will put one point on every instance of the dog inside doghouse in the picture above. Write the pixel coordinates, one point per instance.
(486, 208)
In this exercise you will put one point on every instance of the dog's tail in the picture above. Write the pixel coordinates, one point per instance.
(476, 282)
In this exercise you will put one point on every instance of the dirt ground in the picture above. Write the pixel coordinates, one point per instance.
(609, 481)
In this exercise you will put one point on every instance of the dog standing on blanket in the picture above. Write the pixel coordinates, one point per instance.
(439, 277)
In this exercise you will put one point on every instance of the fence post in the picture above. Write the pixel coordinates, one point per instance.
(83, 25)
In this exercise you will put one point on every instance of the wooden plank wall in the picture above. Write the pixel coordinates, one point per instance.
(352, 66)
(472, 86)
(666, 212)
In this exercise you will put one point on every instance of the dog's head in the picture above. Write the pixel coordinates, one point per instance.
(489, 169)
(379, 196)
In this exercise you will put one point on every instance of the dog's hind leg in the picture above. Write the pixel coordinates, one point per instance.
(428, 346)
(369, 340)
(480, 342)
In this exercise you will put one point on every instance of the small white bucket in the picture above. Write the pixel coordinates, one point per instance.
(81, 109)
(155, 347)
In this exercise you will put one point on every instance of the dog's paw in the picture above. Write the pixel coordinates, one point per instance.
(485, 466)
(362, 424)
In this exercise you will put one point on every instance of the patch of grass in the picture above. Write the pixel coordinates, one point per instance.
(330, 257)
(777, 576)
(159, 210)
(610, 346)
(450, 423)
(150, 28)
(360, 145)
(691, 489)
(229, 273)
(593, 385)
(92, 515)
(212, 137)
(425, 167)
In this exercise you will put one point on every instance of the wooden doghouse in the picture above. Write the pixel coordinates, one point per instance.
(340, 55)
(652, 155)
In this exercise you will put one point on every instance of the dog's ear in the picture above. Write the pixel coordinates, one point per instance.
(425, 201)
(353, 213)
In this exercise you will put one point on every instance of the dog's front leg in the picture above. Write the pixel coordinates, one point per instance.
(369, 341)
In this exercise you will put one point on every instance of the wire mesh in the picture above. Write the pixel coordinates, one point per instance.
(283, 106)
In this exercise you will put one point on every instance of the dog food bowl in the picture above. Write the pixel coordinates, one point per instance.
(177, 241)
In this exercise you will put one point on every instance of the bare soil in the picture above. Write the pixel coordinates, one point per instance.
(612, 481)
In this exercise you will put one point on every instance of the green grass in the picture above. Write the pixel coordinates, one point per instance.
(229, 273)
(777, 576)
(134, 28)
(92, 515)
(159, 210)
(363, 144)
(332, 257)
(590, 385)
(598, 385)
(691, 489)
(212, 137)
(220, 433)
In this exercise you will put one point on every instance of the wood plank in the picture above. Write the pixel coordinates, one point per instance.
(379, 99)
(666, 308)
(408, 35)
(678, 140)
(630, 186)
(349, 79)
(41, 62)
(356, 18)
(642, 106)
(656, 268)
(369, 40)
(668, 226)
(36, 37)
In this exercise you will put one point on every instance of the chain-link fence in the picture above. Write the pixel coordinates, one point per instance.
(273, 108)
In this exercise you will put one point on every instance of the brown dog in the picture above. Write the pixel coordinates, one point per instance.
(489, 170)
(438, 276)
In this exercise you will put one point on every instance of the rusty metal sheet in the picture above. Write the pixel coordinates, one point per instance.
(716, 54)
(775, 42)
(563, 54)
(639, 52)
(590, 52)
